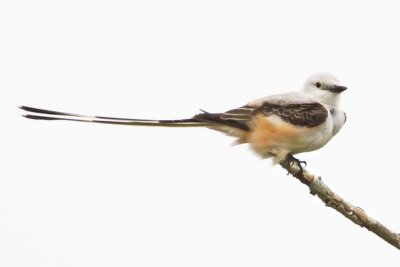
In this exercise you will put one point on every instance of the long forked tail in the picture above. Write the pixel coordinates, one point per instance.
(43, 114)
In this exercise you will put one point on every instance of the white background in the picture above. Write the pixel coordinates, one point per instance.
(75, 194)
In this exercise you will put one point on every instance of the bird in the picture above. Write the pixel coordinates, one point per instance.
(277, 126)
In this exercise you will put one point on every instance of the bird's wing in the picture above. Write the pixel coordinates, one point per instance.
(299, 113)
(308, 115)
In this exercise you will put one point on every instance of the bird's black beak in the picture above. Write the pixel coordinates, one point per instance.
(336, 88)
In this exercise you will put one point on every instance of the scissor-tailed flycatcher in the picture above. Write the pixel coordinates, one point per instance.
(276, 126)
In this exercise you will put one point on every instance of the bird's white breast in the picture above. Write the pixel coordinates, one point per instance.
(324, 133)
(338, 118)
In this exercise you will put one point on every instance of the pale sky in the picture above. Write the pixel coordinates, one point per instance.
(75, 194)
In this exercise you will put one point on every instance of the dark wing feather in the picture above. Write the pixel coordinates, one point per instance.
(239, 121)
(309, 114)
(300, 114)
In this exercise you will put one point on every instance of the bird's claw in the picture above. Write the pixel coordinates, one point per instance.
(290, 161)
(303, 162)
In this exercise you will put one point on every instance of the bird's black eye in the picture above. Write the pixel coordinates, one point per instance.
(318, 85)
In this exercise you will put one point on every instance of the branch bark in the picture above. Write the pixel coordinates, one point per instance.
(332, 200)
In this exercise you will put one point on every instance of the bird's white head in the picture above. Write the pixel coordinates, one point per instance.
(324, 87)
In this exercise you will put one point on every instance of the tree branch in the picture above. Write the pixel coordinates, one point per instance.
(331, 199)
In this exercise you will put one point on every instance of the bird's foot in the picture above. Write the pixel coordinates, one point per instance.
(290, 161)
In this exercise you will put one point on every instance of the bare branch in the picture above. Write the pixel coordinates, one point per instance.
(331, 199)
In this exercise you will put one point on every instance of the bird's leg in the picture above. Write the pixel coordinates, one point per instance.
(290, 160)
